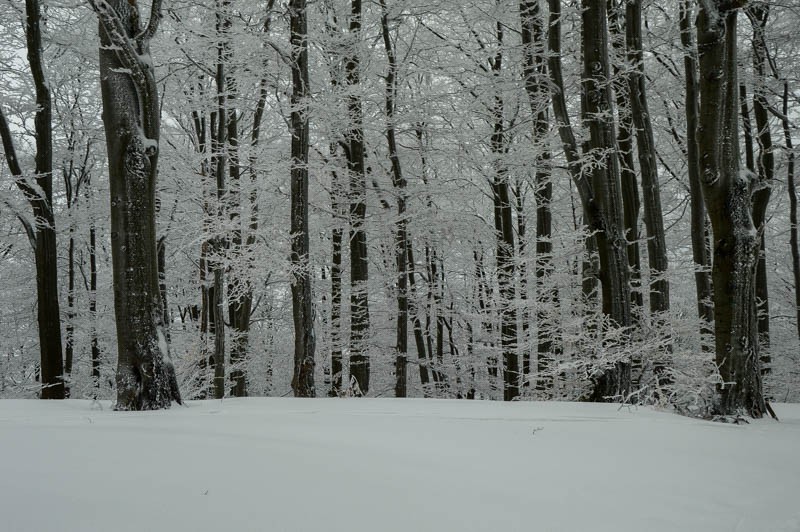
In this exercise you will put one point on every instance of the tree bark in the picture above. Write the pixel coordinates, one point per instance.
(700, 255)
(41, 202)
(758, 13)
(646, 149)
(504, 229)
(792, 190)
(605, 180)
(536, 85)
(401, 225)
(145, 375)
(302, 302)
(359, 267)
(728, 198)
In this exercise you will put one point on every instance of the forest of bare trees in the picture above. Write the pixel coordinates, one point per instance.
(585, 200)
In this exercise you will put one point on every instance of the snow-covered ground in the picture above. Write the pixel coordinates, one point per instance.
(384, 465)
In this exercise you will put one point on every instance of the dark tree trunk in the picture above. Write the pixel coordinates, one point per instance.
(359, 267)
(700, 255)
(41, 201)
(600, 196)
(401, 226)
(302, 302)
(792, 189)
(605, 180)
(505, 238)
(728, 198)
(631, 204)
(336, 283)
(145, 375)
(95, 347)
(646, 149)
(758, 12)
(536, 85)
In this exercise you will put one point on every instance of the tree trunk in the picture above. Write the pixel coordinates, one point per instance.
(646, 148)
(765, 166)
(535, 73)
(505, 238)
(605, 180)
(792, 189)
(145, 375)
(631, 204)
(600, 195)
(702, 261)
(401, 225)
(302, 302)
(728, 196)
(359, 267)
(41, 201)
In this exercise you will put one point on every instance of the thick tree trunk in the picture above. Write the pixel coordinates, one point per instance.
(605, 180)
(728, 196)
(302, 302)
(359, 267)
(600, 196)
(145, 375)
(700, 255)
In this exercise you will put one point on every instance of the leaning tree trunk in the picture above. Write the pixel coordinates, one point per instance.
(145, 375)
(43, 238)
(728, 194)
(700, 255)
(302, 303)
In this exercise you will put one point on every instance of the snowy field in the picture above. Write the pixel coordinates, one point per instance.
(381, 465)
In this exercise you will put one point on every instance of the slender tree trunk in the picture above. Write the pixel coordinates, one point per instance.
(646, 148)
(359, 267)
(401, 225)
(702, 261)
(145, 375)
(302, 302)
(792, 189)
(95, 346)
(536, 85)
(631, 205)
(758, 12)
(505, 238)
(43, 239)
(728, 193)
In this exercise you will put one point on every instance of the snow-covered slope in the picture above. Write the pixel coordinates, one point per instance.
(392, 465)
